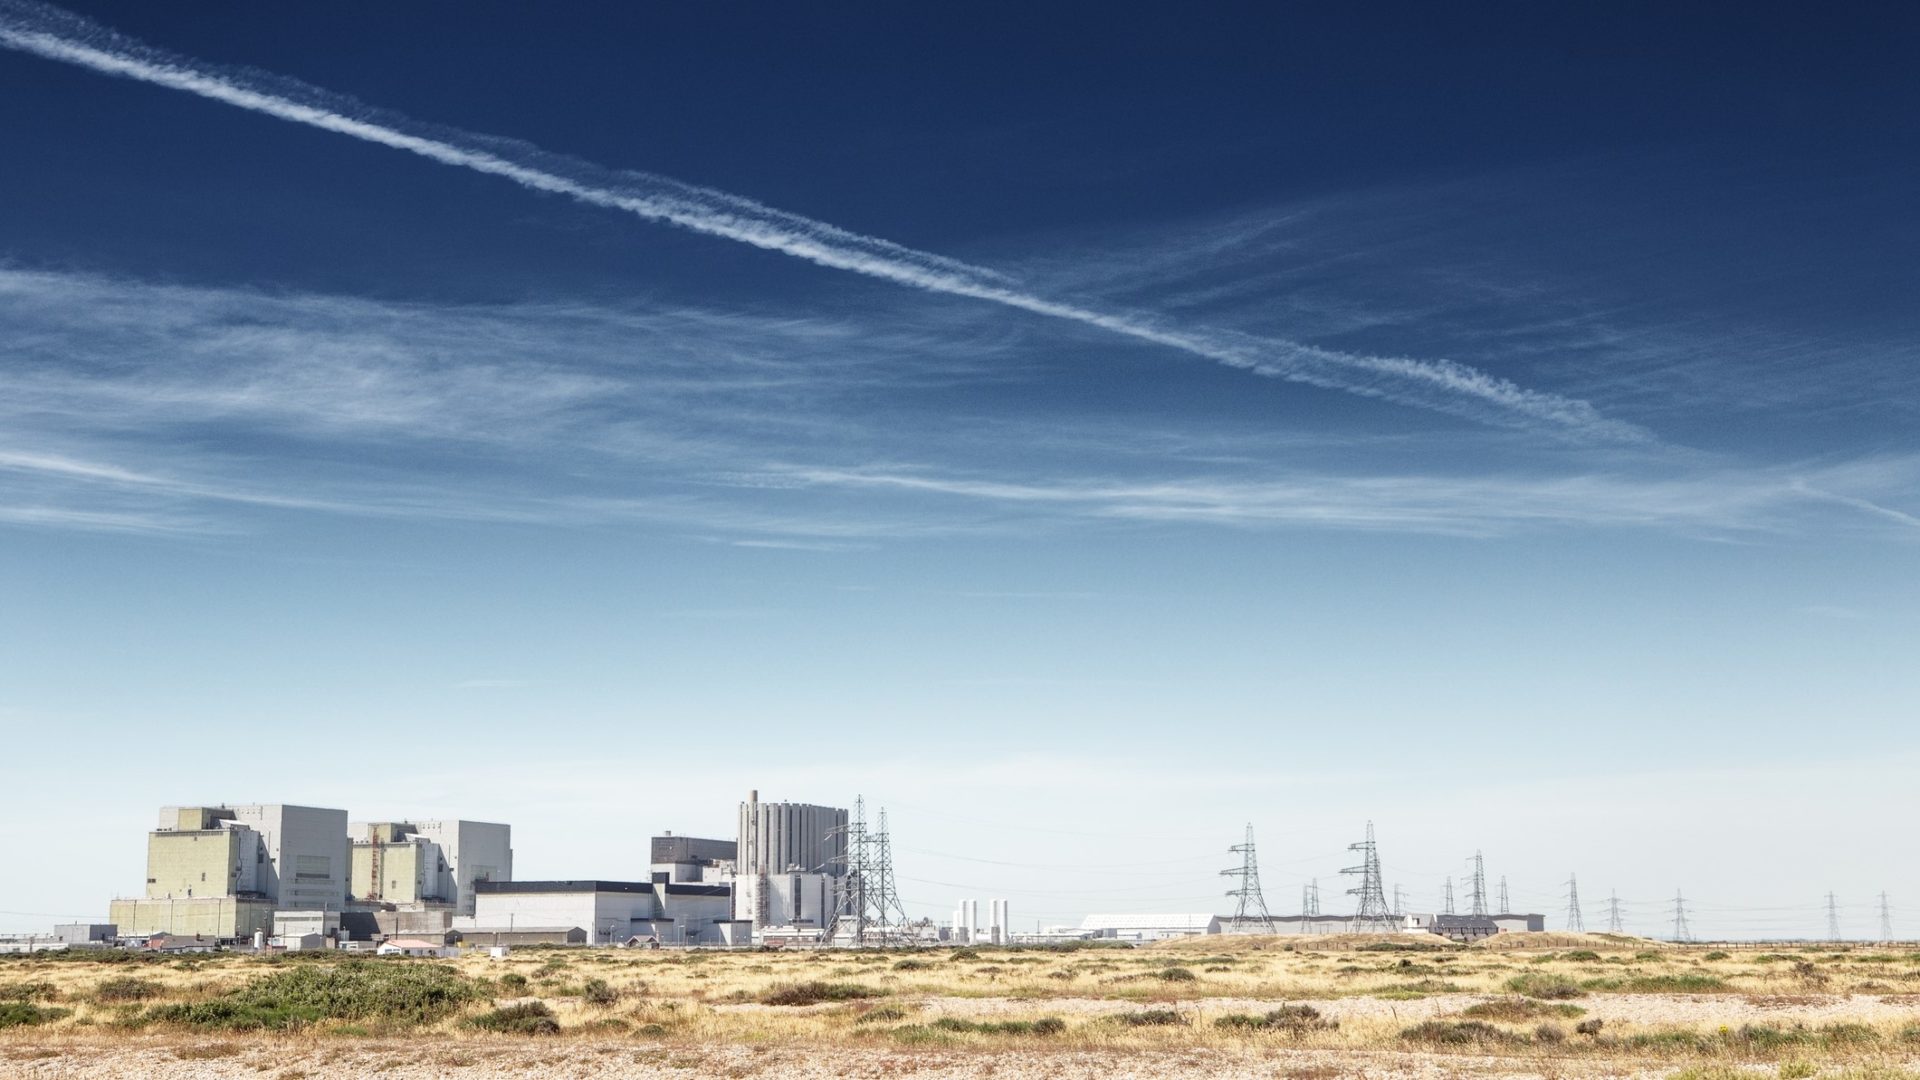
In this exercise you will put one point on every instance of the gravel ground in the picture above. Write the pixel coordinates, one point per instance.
(429, 1059)
(73, 1056)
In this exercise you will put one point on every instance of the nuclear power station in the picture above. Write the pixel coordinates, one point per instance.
(794, 874)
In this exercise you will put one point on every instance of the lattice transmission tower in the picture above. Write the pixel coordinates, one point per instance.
(1446, 903)
(1506, 905)
(1886, 918)
(869, 908)
(1681, 931)
(1614, 923)
(1575, 923)
(1371, 912)
(1477, 895)
(1310, 898)
(1833, 918)
(1252, 906)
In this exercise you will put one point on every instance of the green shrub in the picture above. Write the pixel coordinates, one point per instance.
(1684, 983)
(1151, 1018)
(1457, 1033)
(1516, 1009)
(1176, 974)
(126, 989)
(21, 1014)
(1545, 987)
(1290, 1019)
(31, 991)
(599, 992)
(911, 965)
(1584, 955)
(1715, 955)
(812, 993)
(513, 980)
(394, 994)
(1046, 1025)
(526, 1018)
(963, 954)
(881, 1015)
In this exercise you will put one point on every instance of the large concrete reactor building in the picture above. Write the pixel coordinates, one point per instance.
(788, 863)
(424, 863)
(219, 871)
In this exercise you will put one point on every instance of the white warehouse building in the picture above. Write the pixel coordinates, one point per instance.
(611, 912)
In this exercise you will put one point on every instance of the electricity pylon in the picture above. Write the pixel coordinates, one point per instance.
(1681, 931)
(1477, 896)
(1252, 905)
(1371, 911)
(1575, 924)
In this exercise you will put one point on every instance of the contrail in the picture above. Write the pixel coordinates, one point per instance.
(1440, 385)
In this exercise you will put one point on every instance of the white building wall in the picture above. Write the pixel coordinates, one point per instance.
(605, 916)
(473, 851)
(306, 861)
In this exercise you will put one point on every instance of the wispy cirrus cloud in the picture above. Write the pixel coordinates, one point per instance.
(167, 409)
(1441, 385)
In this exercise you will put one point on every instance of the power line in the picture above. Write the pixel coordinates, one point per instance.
(1249, 891)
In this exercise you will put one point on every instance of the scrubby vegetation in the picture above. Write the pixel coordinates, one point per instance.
(815, 992)
(395, 995)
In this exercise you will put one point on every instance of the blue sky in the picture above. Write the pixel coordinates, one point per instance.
(1116, 426)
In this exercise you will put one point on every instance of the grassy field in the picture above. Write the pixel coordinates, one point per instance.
(1559, 1006)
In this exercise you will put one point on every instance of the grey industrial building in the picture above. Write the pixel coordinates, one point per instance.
(659, 911)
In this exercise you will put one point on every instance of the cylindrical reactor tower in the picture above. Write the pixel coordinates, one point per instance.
(780, 837)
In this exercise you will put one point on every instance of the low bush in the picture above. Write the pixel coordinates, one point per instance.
(526, 1018)
(1176, 974)
(1046, 1025)
(881, 1015)
(1151, 1018)
(599, 992)
(1457, 1033)
(116, 991)
(513, 980)
(1516, 1009)
(815, 992)
(22, 1014)
(911, 965)
(400, 995)
(1584, 955)
(29, 991)
(1290, 1019)
(1545, 987)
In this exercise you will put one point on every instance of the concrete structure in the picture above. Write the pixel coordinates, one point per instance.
(494, 938)
(1001, 932)
(691, 858)
(415, 947)
(795, 901)
(85, 933)
(219, 918)
(411, 864)
(788, 862)
(219, 871)
(1149, 927)
(611, 912)
(966, 922)
(303, 854)
(294, 924)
